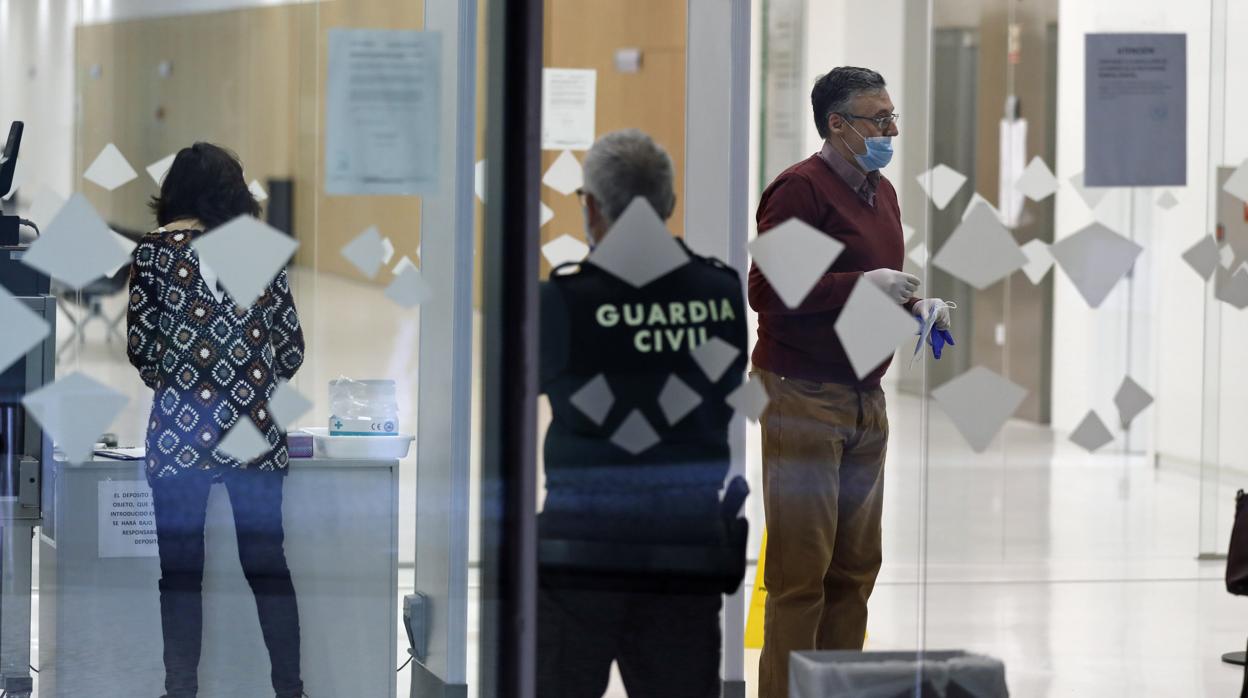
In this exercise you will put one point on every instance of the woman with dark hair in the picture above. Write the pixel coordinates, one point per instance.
(212, 365)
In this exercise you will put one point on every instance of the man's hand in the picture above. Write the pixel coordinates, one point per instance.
(927, 306)
(898, 285)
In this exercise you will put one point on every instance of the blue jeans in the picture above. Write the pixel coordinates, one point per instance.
(181, 505)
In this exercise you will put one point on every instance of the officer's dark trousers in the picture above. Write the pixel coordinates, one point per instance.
(665, 644)
(181, 504)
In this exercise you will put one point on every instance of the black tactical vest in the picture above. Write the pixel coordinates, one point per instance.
(596, 324)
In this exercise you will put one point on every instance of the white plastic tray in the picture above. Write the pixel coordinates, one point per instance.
(358, 447)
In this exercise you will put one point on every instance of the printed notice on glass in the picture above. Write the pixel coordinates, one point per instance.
(1136, 110)
(381, 112)
(568, 108)
(127, 525)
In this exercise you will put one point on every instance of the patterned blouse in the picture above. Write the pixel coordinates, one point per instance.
(209, 362)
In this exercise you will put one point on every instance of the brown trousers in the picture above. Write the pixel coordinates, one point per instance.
(823, 487)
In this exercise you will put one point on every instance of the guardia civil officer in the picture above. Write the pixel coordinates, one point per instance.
(636, 453)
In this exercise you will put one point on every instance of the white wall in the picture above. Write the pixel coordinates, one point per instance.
(37, 87)
(837, 35)
(1091, 346)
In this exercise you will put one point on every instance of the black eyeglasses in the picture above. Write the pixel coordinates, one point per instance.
(881, 122)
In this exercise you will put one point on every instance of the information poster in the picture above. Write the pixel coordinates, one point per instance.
(382, 112)
(568, 108)
(1136, 110)
(127, 525)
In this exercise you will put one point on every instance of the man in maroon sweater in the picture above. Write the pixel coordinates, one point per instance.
(825, 431)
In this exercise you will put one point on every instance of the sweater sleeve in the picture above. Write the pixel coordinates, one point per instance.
(143, 342)
(793, 196)
(287, 332)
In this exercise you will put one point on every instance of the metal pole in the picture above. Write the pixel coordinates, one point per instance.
(509, 344)
(716, 191)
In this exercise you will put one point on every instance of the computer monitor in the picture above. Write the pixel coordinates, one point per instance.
(8, 159)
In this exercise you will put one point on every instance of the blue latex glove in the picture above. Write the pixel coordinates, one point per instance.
(938, 339)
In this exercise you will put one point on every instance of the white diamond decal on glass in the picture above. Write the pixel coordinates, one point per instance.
(980, 251)
(246, 255)
(244, 442)
(564, 249)
(403, 264)
(907, 232)
(594, 399)
(1131, 399)
(74, 411)
(1237, 184)
(1226, 257)
(1203, 257)
(1091, 433)
(1037, 182)
(257, 191)
(125, 244)
(110, 169)
(564, 175)
(287, 405)
(714, 356)
(1039, 260)
(871, 327)
(749, 399)
(976, 200)
(1092, 196)
(23, 329)
(677, 400)
(545, 214)
(979, 402)
(76, 248)
(1167, 201)
(157, 170)
(387, 250)
(794, 256)
(1095, 258)
(639, 249)
(366, 252)
(1232, 288)
(919, 255)
(45, 206)
(635, 435)
(408, 288)
(941, 184)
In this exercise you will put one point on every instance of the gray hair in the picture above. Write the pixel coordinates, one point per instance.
(835, 92)
(623, 165)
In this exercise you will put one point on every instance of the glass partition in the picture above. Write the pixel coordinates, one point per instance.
(258, 315)
(746, 449)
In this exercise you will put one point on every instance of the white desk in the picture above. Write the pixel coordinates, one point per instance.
(99, 618)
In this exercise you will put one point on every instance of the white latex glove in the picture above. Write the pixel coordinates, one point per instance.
(927, 306)
(898, 285)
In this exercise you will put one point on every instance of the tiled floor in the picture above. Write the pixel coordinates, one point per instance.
(1078, 571)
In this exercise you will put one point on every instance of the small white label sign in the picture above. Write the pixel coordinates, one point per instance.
(127, 526)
